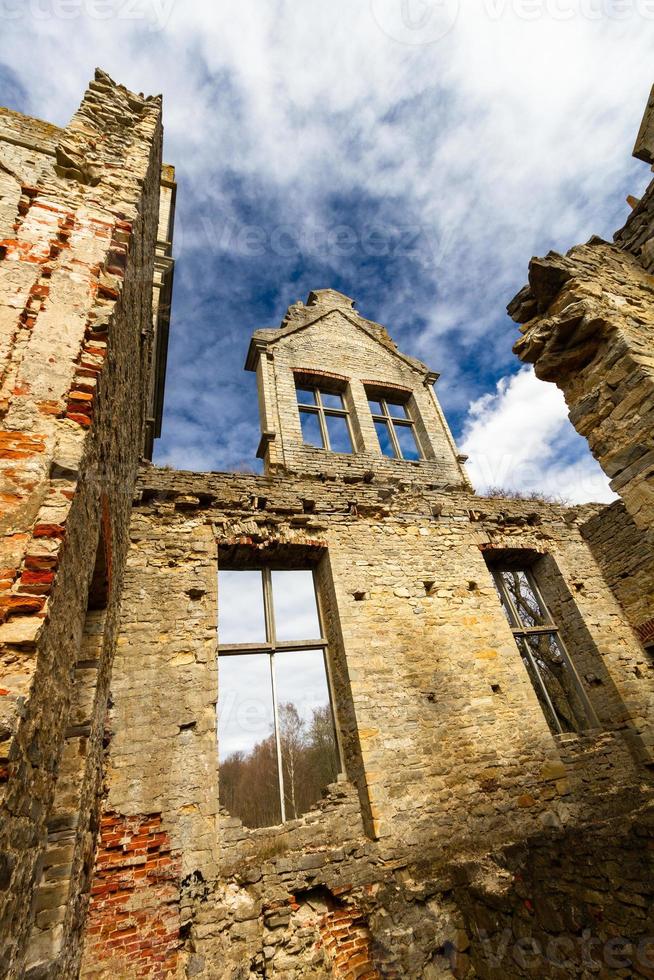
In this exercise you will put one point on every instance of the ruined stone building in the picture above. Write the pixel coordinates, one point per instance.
(343, 719)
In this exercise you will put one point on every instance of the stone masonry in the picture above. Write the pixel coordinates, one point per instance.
(587, 325)
(462, 835)
(79, 215)
(320, 341)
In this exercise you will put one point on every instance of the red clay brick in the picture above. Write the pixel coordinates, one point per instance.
(49, 531)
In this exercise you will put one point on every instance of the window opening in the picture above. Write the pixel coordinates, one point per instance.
(276, 732)
(395, 428)
(555, 680)
(324, 419)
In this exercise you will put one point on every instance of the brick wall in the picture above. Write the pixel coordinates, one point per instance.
(133, 921)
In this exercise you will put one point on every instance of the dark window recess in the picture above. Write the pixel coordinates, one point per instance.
(557, 685)
(276, 735)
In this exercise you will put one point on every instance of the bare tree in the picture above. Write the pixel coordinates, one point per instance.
(292, 736)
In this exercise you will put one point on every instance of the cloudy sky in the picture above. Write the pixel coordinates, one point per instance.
(410, 153)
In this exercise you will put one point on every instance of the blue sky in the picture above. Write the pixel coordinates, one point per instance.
(411, 153)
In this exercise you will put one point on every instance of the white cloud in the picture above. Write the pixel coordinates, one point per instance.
(494, 129)
(519, 438)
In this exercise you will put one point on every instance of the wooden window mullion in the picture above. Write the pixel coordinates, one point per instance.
(321, 418)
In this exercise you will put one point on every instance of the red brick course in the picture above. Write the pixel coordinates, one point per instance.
(646, 632)
(133, 922)
(346, 940)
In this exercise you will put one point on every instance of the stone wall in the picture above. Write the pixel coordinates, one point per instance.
(628, 566)
(568, 904)
(79, 220)
(164, 268)
(461, 836)
(587, 326)
(586, 323)
(447, 750)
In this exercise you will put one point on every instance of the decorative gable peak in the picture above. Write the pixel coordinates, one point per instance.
(318, 301)
(331, 298)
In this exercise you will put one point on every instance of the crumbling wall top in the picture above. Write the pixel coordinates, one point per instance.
(644, 146)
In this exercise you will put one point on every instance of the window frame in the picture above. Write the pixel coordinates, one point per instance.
(549, 628)
(322, 411)
(271, 646)
(391, 421)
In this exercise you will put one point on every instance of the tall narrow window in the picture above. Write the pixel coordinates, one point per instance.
(276, 735)
(551, 671)
(324, 418)
(395, 428)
